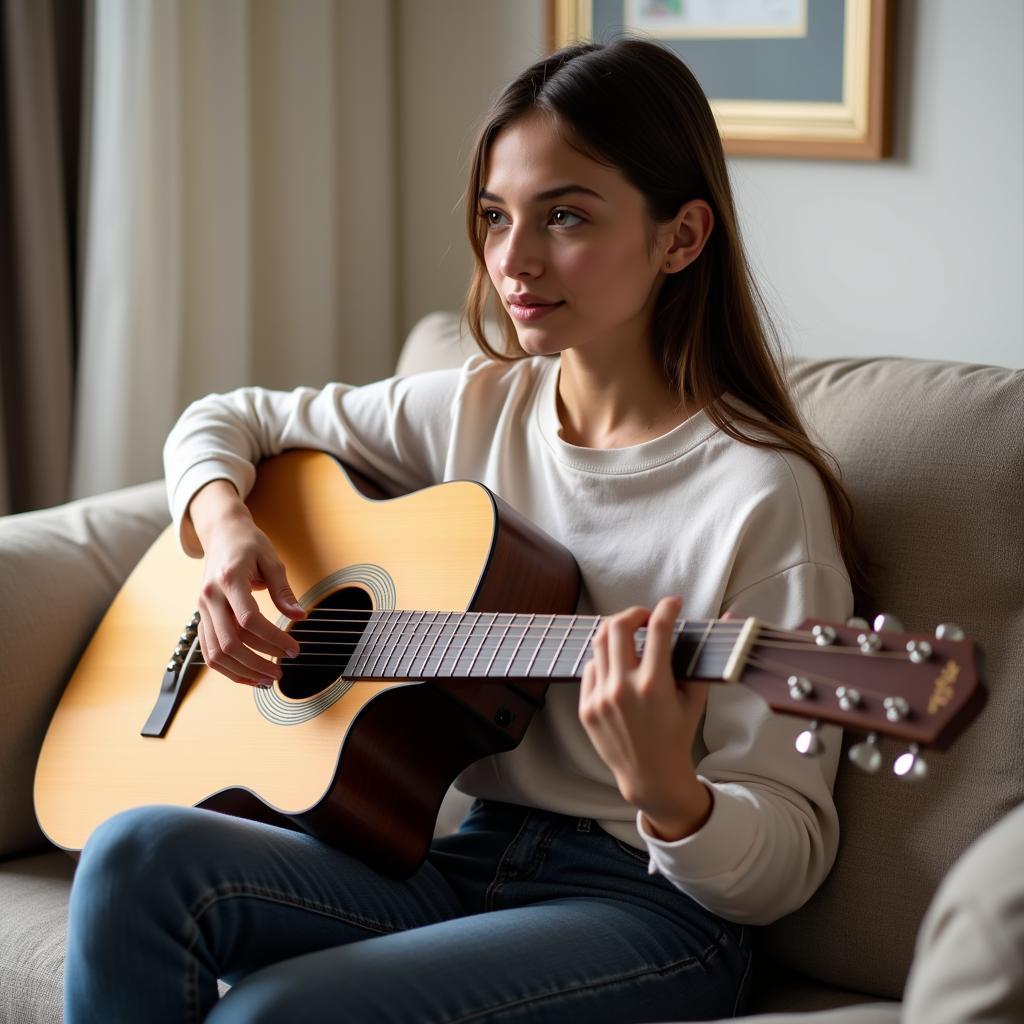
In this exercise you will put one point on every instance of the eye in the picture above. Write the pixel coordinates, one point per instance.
(491, 217)
(559, 215)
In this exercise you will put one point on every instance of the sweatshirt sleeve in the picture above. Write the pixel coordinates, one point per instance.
(773, 831)
(396, 431)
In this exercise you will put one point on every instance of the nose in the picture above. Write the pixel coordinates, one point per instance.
(521, 256)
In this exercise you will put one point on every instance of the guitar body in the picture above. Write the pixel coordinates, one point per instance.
(363, 765)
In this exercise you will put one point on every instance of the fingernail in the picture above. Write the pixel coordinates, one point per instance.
(292, 652)
(264, 682)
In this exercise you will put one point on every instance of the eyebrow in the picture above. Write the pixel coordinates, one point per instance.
(551, 193)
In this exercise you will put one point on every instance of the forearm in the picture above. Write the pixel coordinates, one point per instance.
(213, 504)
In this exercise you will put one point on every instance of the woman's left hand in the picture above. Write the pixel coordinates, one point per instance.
(643, 723)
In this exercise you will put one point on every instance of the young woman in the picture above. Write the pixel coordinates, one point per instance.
(611, 862)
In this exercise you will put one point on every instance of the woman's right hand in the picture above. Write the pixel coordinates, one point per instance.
(233, 632)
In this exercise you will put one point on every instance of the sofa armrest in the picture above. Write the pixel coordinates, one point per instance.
(61, 569)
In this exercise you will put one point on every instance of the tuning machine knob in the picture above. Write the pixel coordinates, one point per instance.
(866, 755)
(809, 742)
(910, 765)
(887, 623)
(948, 631)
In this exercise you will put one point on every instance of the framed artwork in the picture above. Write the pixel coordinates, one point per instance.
(790, 78)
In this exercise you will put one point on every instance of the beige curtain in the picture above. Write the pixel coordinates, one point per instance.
(242, 212)
(40, 106)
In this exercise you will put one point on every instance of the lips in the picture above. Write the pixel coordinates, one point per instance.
(529, 310)
(526, 299)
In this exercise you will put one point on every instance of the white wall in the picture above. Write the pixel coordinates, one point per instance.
(919, 255)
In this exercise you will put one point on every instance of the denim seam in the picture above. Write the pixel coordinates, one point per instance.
(640, 855)
(741, 988)
(502, 873)
(231, 889)
(667, 969)
(546, 842)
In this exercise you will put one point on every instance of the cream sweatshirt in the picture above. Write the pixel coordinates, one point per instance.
(726, 525)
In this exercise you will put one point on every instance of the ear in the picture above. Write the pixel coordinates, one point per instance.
(686, 235)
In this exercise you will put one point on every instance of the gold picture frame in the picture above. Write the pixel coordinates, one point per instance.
(854, 124)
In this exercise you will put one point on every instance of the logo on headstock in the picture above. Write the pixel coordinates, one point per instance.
(944, 684)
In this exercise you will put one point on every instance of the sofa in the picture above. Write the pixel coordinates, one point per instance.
(933, 455)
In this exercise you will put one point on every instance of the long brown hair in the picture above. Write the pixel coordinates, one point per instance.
(634, 105)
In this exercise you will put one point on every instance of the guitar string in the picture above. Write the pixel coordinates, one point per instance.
(759, 640)
(697, 625)
(776, 668)
(410, 651)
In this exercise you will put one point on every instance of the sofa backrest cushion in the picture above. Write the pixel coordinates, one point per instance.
(933, 456)
(61, 569)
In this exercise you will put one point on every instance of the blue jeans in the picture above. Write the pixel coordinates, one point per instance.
(521, 916)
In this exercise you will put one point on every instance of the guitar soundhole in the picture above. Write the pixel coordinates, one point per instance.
(326, 637)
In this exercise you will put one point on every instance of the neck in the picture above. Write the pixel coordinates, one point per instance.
(615, 398)
(426, 645)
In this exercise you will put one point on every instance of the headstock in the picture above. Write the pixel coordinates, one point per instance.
(880, 680)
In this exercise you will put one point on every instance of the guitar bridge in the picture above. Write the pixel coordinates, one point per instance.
(173, 686)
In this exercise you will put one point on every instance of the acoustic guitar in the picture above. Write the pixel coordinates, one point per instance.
(436, 621)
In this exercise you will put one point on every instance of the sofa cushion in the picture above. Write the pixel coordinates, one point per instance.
(62, 568)
(34, 896)
(933, 455)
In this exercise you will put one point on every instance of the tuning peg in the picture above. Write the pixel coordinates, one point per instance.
(948, 631)
(919, 651)
(823, 635)
(886, 623)
(910, 765)
(858, 623)
(800, 687)
(869, 642)
(896, 708)
(848, 697)
(808, 742)
(866, 755)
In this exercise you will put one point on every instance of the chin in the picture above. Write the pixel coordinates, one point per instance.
(534, 346)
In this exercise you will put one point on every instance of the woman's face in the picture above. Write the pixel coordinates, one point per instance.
(567, 244)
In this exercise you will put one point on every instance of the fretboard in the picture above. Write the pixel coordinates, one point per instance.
(433, 645)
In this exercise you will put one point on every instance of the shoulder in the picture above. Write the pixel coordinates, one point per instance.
(482, 371)
(781, 503)
(487, 384)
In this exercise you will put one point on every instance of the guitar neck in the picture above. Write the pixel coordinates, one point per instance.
(437, 646)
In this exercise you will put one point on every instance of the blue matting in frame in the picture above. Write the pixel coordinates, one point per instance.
(807, 70)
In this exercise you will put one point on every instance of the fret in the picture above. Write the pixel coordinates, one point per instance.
(353, 666)
(411, 644)
(540, 643)
(422, 670)
(483, 640)
(519, 643)
(467, 635)
(700, 647)
(382, 618)
(585, 646)
(448, 642)
(561, 646)
(395, 645)
(497, 646)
